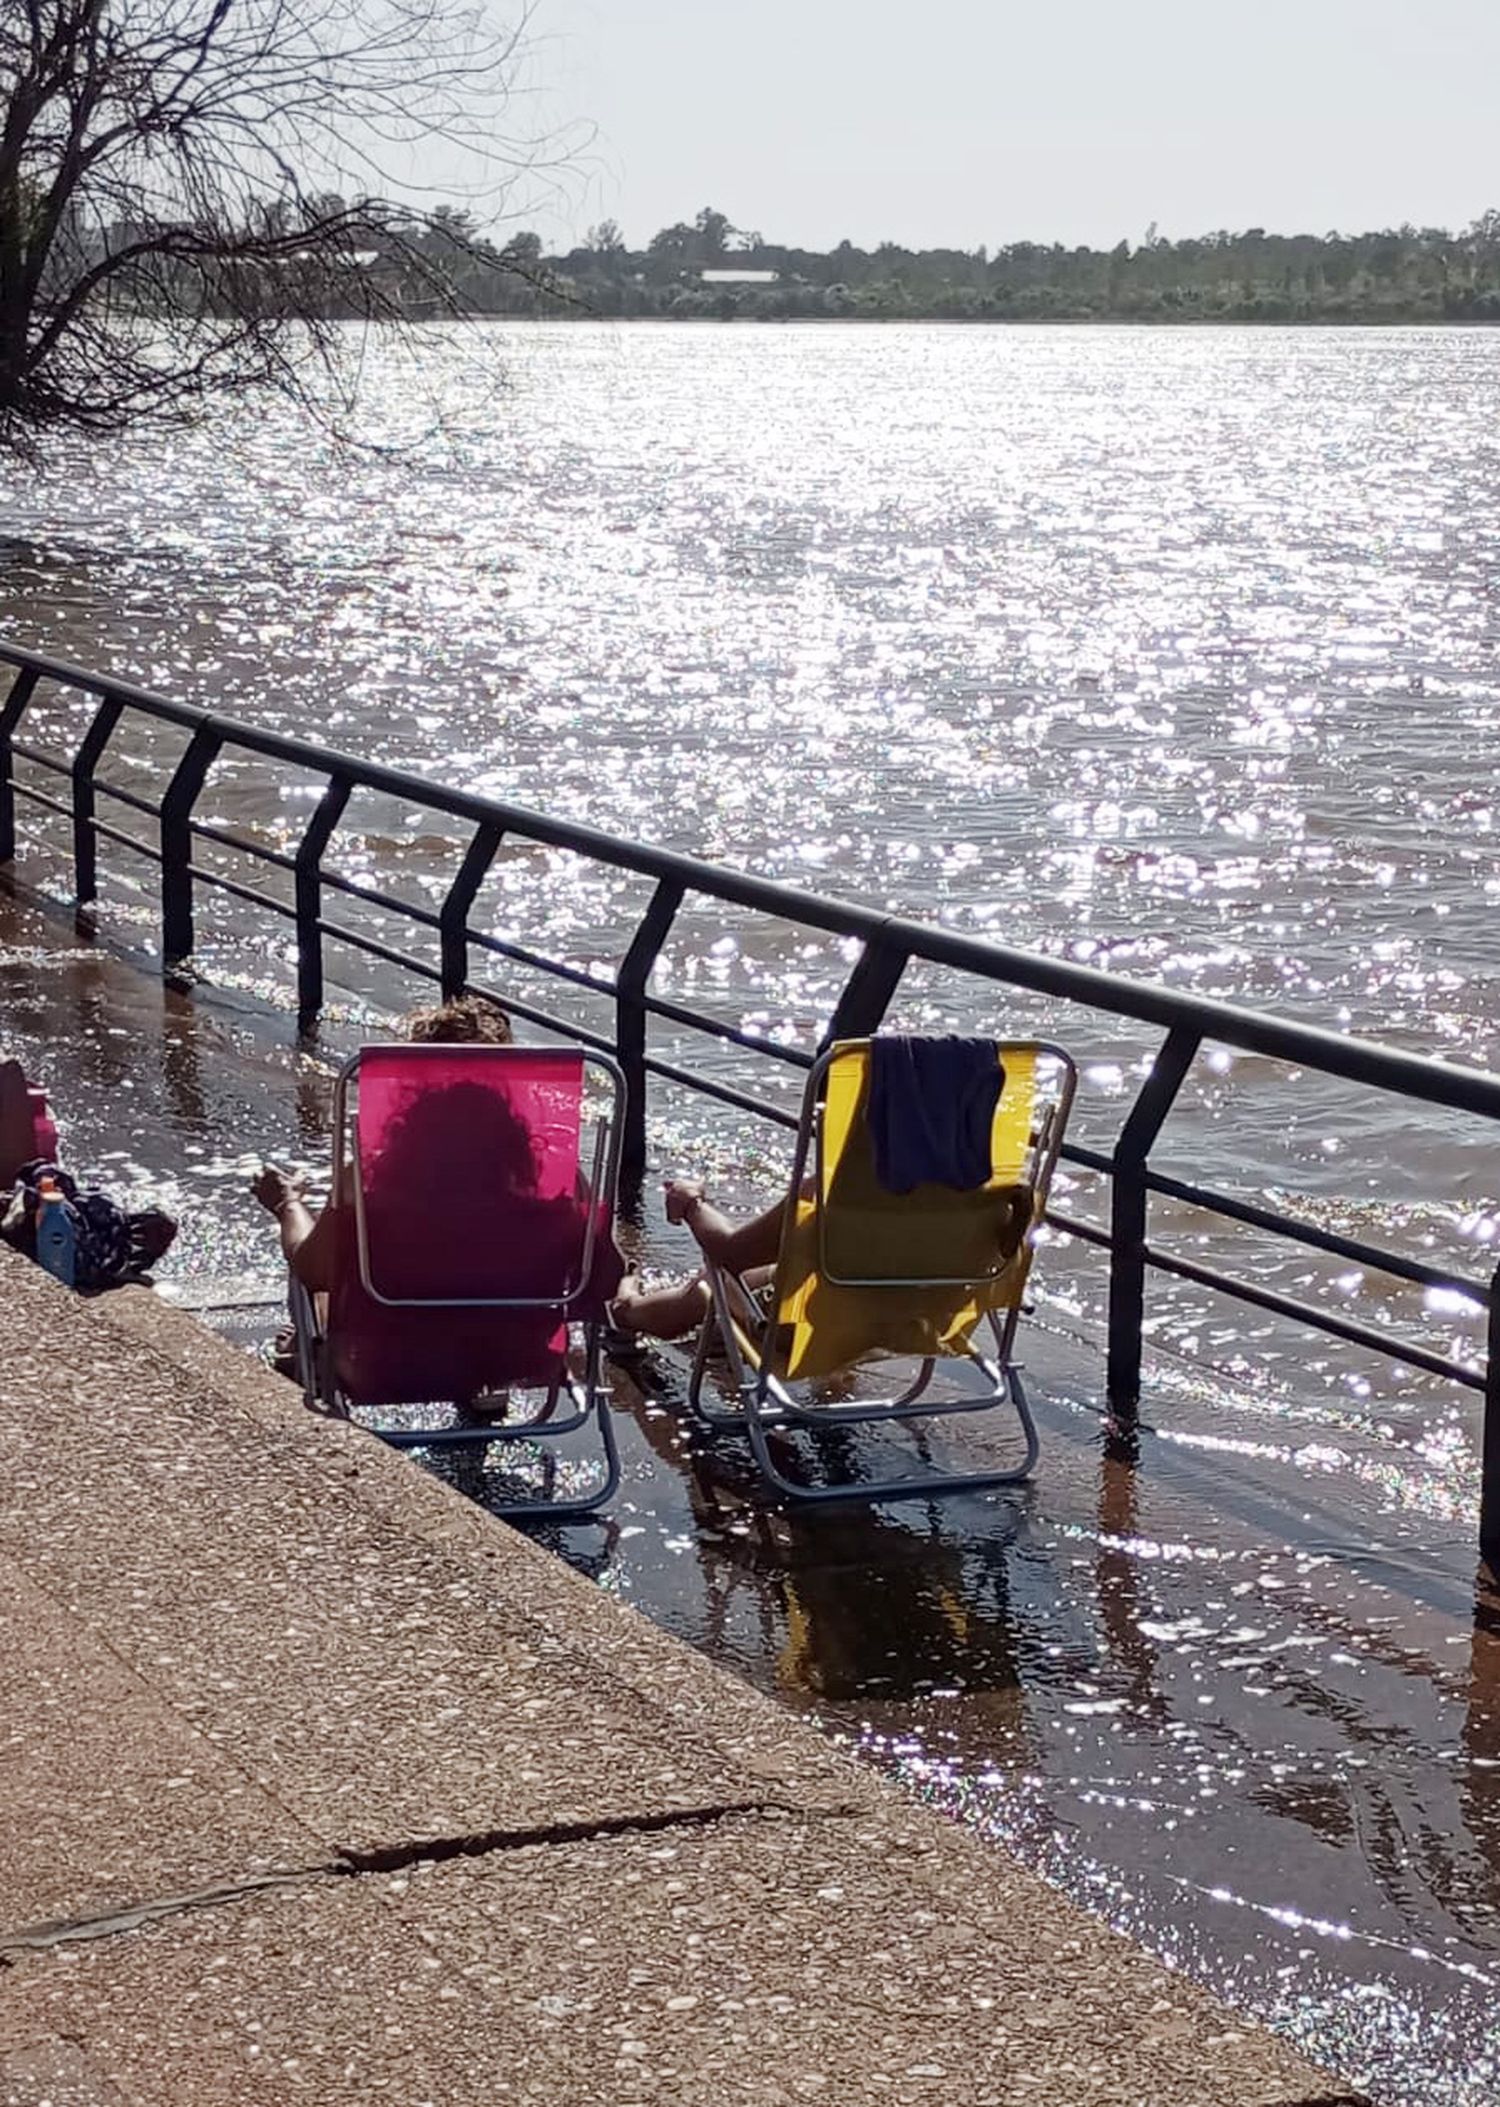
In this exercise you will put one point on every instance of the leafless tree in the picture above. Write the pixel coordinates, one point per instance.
(195, 195)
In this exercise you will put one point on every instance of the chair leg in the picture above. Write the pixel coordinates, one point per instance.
(550, 1507)
(307, 1336)
(1022, 1404)
(765, 1405)
(735, 1318)
(707, 1332)
(720, 1324)
(590, 1405)
(917, 1389)
(1006, 1386)
(589, 1399)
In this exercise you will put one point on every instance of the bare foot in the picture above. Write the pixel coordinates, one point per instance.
(489, 1409)
(661, 1313)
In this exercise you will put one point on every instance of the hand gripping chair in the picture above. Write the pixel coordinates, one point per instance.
(469, 1245)
(865, 1271)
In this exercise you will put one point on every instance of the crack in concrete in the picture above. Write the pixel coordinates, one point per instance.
(59, 1931)
(393, 1857)
(389, 1858)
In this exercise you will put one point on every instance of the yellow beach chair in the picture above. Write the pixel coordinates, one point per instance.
(863, 1271)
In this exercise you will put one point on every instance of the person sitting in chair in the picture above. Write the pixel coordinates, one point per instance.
(413, 1180)
(309, 1243)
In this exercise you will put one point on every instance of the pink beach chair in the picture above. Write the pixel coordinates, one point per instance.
(28, 1133)
(474, 1243)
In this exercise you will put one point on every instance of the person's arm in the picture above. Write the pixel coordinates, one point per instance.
(308, 1243)
(734, 1246)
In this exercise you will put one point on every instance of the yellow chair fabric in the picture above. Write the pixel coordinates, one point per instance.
(970, 1250)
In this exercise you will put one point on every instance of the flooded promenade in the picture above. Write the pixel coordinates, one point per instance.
(1069, 648)
(1225, 1698)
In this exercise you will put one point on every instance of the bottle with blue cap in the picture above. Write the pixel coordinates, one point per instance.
(55, 1242)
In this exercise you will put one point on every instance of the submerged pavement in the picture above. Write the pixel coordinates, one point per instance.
(320, 1783)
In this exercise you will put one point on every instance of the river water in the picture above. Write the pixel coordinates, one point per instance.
(1170, 651)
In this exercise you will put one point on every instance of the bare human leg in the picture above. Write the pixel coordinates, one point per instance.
(738, 1247)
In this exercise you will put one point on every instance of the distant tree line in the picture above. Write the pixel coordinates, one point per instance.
(194, 194)
(1401, 274)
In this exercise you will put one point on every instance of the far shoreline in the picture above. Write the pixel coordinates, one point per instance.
(573, 317)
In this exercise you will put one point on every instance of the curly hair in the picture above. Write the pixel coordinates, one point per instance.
(465, 1020)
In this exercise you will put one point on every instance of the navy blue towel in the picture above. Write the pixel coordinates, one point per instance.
(931, 1111)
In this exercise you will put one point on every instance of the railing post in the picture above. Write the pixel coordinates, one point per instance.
(176, 814)
(630, 1023)
(85, 761)
(867, 992)
(1127, 1227)
(21, 691)
(1489, 1469)
(453, 917)
(308, 883)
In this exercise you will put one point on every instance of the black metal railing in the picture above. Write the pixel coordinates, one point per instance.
(888, 945)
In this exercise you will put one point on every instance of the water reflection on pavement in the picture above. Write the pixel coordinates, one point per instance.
(1236, 1693)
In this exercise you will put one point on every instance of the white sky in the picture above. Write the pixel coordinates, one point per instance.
(957, 122)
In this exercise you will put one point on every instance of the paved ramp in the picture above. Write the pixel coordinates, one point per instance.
(322, 1784)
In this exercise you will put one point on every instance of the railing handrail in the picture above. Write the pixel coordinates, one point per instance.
(1348, 1056)
(888, 943)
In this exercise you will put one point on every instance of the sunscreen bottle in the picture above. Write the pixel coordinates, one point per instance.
(54, 1232)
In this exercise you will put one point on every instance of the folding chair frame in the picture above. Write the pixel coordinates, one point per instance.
(765, 1400)
(588, 1396)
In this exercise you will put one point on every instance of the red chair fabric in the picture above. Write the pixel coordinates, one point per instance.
(472, 1189)
(28, 1133)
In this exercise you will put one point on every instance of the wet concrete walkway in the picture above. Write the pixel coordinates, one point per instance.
(322, 1784)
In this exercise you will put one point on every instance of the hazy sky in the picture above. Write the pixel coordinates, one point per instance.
(967, 121)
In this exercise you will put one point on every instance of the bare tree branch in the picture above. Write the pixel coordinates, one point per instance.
(172, 222)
